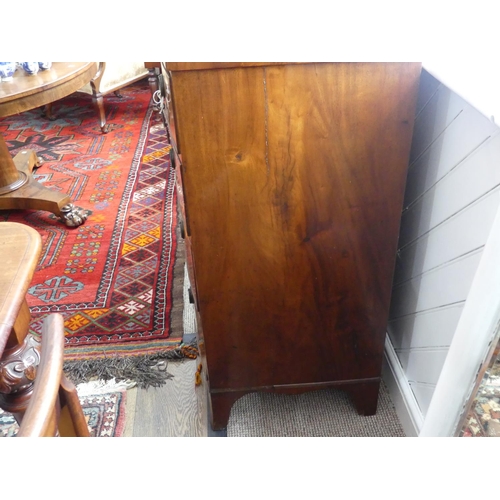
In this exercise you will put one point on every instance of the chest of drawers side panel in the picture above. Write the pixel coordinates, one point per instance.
(294, 179)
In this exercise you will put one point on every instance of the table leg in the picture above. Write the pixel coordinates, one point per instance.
(19, 190)
(18, 365)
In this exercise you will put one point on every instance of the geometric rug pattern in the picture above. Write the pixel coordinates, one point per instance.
(104, 413)
(112, 277)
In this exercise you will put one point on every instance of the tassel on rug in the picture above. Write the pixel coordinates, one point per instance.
(144, 371)
(98, 387)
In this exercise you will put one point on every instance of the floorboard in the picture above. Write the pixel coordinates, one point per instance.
(172, 410)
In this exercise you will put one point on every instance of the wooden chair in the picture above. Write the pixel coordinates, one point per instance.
(54, 408)
(111, 77)
(33, 387)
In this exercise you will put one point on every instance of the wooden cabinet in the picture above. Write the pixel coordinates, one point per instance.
(292, 179)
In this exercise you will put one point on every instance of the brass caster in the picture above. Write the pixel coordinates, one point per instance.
(73, 216)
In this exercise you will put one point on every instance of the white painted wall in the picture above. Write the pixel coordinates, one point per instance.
(451, 199)
(470, 72)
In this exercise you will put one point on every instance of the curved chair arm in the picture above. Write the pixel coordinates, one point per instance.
(40, 418)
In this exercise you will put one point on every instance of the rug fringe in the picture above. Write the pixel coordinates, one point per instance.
(103, 387)
(144, 371)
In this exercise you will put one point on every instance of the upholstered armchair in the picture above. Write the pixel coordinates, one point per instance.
(111, 77)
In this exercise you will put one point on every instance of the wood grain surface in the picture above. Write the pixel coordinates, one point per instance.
(293, 180)
(20, 248)
(177, 409)
(196, 66)
(27, 91)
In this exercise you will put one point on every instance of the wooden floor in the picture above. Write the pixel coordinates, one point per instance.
(168, 411)
(177, 409)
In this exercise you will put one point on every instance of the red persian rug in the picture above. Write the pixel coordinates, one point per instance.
(113, 277)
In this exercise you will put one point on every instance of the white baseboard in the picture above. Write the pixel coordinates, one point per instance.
(402, 396)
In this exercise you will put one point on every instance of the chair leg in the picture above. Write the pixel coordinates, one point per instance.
(99, 106)
(153, 80)
(72, 421)
(47, 112)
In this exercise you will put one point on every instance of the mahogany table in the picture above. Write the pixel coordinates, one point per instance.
(18, 189)
(20, 248)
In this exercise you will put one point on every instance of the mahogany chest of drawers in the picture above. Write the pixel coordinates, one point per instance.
(291, 179)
